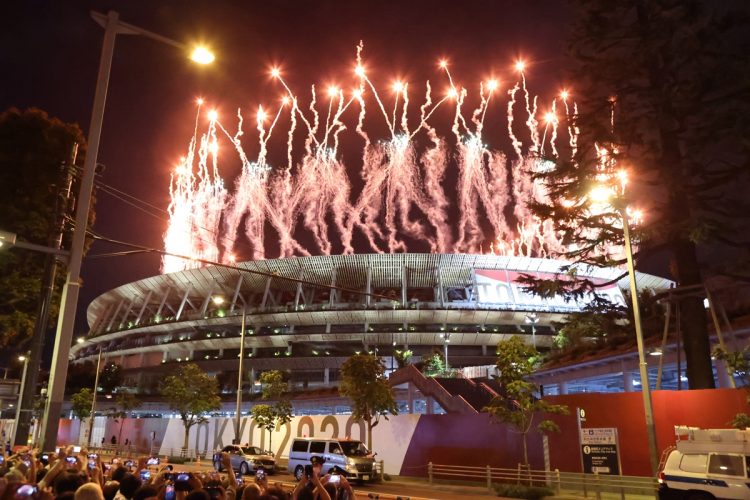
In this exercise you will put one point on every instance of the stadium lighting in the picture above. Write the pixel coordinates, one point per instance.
(532, 319)
(69, 302)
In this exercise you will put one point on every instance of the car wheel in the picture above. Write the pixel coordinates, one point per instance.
(244, 469)
(298, 472)
(217, 466)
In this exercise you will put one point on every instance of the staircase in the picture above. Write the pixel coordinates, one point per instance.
(455, 395)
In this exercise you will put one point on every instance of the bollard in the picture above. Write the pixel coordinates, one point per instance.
(429, 473)
(557, 475)
(489, 478)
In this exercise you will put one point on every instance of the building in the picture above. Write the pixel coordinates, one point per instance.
(307, 315)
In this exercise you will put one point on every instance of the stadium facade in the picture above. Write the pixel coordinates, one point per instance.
(307, 315)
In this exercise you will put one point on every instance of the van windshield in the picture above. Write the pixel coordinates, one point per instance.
(354, 448)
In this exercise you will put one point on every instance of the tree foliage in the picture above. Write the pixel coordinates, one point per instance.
(363, 381)
(33, 147)
(519, 405)
(434, 365)
(403, 357)
(661, 92)
(81, 403)
(192, 394)
(271, 417)
(739, 363)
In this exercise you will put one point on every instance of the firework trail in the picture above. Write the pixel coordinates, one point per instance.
(404, 194)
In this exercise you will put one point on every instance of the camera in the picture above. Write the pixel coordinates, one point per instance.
(26, 491)
(181, 481)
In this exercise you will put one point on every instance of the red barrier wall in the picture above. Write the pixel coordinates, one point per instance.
(700, 408)
(474, 440)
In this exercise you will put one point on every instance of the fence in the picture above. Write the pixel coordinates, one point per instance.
(599, 486)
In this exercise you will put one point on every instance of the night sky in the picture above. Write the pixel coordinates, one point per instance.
(51, 51)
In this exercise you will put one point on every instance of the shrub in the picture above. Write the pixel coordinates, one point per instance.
(522, 491)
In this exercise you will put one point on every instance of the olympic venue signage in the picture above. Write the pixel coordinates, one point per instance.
(501, 287)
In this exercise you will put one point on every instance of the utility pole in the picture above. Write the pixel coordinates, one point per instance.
(93, 398)
(28, 388)
(237, 436)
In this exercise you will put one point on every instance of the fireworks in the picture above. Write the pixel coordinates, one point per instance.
(401, 190)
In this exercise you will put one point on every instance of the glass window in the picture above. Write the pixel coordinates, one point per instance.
(318, 447)
(300, 446)
(728, 465)
(335, 448)
(694, 463)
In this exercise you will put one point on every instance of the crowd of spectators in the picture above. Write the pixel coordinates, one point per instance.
(74, 474)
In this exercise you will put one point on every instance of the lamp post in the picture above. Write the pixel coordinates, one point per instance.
(25, 359)
(532, 319)
(239, 379)
(66, 321)
(93, 398)
(603, 194)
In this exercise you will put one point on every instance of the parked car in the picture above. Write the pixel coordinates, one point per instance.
(349, 455)
(709, 464)
(246, 459)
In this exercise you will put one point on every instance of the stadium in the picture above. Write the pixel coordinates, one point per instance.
(307, 315)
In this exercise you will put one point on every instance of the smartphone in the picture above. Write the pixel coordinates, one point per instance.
(57, 450)
(107, 467)
(128, 463)
(145, 475)
(76, 449)
(2, 459)
(239, 479)
(260, 475)
(27, 491)
(334, 479)
(92, 464)
(308, 470)
(181, 481)
(169, 492)
(93, 456)
(153, 461)
(169, 467)
(71, 461)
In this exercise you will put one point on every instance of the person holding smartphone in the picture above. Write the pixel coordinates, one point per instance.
(310, 485)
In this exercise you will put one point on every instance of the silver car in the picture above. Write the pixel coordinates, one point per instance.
(246, 459)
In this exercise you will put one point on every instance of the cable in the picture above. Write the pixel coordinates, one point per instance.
(227, 266)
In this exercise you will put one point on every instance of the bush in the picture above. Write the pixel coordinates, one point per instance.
(522, 491)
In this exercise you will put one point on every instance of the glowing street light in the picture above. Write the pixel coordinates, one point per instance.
(202, 55)
(217, 299)
(66, 320)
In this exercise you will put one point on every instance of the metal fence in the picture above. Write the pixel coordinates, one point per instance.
(599, 486)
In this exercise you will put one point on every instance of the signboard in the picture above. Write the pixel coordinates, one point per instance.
(599, 451)
(499, 286)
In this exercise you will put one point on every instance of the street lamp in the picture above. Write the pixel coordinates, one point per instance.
(96, 389)
(532, 319)
(601, 194)
(59, 368)
(25, 360)
(239, 378)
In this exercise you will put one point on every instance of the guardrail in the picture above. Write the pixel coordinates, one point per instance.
(599, 486)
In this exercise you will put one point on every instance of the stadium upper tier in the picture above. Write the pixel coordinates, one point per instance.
(331, 305)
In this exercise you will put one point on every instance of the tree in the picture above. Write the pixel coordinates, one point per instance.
(33, 147)
(110, 378)
(81, 403)
(662, 97)
(125, 403)
(80, 376)
(272, 417)
(192, 394)
(363, 382)
(519, 405)
(739, 363)
(403, 357)
(433, 365)
(265, 418)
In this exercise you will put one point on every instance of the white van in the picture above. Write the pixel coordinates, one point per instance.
(349, 455)
(706, 464)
